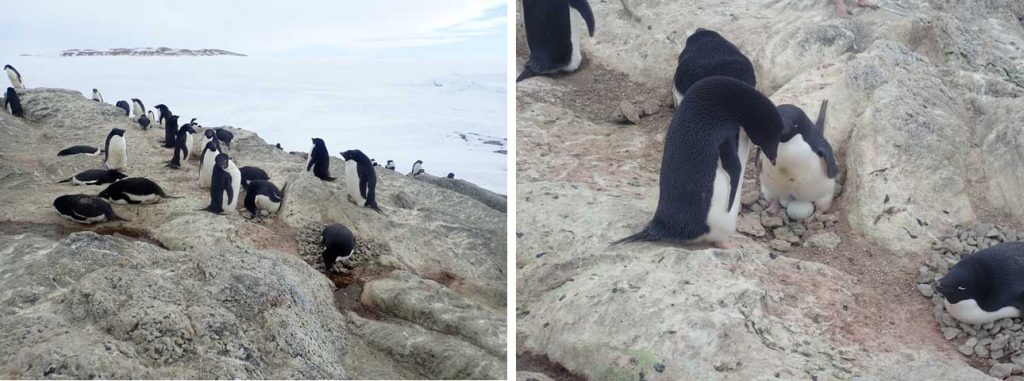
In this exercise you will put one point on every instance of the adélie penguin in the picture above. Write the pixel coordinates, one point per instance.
(552, 38)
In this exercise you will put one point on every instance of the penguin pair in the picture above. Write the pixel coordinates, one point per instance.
(138, 109)
(182, 145)
(552, 38)
(361, 179)
(390, 165)
(225, 184)
(12, 103)
(417, 168)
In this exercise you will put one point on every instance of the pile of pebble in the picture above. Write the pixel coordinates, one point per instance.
(997, 346)
(370, 254)
(778, 230)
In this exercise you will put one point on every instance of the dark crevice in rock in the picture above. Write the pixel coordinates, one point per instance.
(540, 363)
(58, 231)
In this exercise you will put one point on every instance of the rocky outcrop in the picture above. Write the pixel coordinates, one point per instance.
(161, 51)
(923, 103)
(491, 199)
(176, 286)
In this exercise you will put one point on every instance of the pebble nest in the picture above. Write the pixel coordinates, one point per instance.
(367, 253)
(997, 347)
(779, 231)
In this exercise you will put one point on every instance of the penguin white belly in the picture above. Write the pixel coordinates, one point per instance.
(574, 25)
(676, 95)
(264, 203)
(352, 182)
(196, 151)
(137, 110)
(720, 220)
(15, 82)
(236, 187)
(189, 145)
(140, 198)
(117, 157)
(84, 220)
(799, 174)
(76, 181)
(308, 158)
(969, 312)
(206, 170)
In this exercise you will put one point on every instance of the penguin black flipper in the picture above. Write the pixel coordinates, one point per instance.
(250, 202)
(825, 150)
(583, 8)
(728, 154)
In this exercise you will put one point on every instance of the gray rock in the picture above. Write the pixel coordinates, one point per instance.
(629, 112)
(750, 224)
(786, 234)
(779, 245)
(1002, 370)
(925, 289)
(950, 333)
(771, 221)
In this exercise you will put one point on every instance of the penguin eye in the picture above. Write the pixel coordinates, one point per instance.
(961, 288)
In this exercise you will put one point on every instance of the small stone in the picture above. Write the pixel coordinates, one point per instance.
(779, 245)
(749, 197)
(968, 347)
(997, 354)
(972, 242)
(926, 290)
(827, 218)
(999, 342)
(659, 367)
(992, 233)
(650, 107)
(629, 112)
(750, 224)
(1001, 370)
(950, 333)
(757, 208)
(826, 240)
(816, 225)
(981, 229)
(771, 221)
(786, 234)
(980, 351)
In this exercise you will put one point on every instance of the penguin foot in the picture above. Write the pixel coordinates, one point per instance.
(726, 245)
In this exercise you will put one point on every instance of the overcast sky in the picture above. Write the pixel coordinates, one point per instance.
(473, 29)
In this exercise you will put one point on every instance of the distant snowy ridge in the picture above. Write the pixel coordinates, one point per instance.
(161, 51)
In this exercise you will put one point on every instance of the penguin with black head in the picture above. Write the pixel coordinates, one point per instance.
(319, 160)
(170, 131)
(85, 209)
(12, 103)
(339, 244)
(183, 144)
(361, 178)
(134, 190)
(804, 177)
(705, 155)
(263, 198)
(80, 150)
(390, 165)
(417, 168)
(706, 54)
(552, 38)
(96, 96)
(164, 113)
(14, 76)
(986, 286)
(138, 108)
(124, 106)
(252, 173)
(95, 177)
(221, 192)
(207, 162)
(116, 150)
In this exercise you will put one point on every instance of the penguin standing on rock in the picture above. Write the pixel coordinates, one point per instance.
(804, 177)
(221, 191)
(339, 245)
(550, 34)
(417, 168)
(319, 160)
(170, 130)
(12, 103)
(707, 53)
(164, 113)
(361, 179)
(116, 150)
(703, 163)
(96, 96)
(390, 165)
(144, 122)
(124, 106)
(225, 137)
(14, 76)
(183, 144)
(138, 108)
(207, 163)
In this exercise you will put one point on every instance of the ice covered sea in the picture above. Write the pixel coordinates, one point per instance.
(451, 115)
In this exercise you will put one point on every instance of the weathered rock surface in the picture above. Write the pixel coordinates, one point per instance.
(923, 103)
(253, 282)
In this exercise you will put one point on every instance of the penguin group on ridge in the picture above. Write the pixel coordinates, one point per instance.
(217, 172)
(718, 114)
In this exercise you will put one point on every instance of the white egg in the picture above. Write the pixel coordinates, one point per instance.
(798, 210)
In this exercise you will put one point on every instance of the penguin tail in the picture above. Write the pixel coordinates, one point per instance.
(65, 180)
(528, 72)
(643, 235)
(119, 218)
(820, 124)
